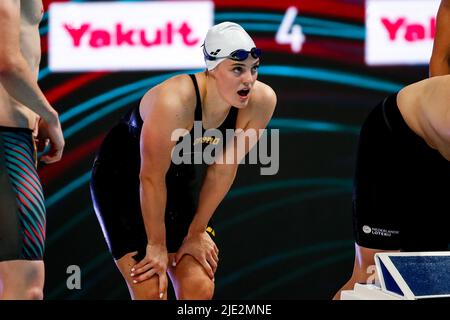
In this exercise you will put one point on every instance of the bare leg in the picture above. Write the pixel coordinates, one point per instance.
(146, 290)
(21, 280)
(190, 280)
(363, 268)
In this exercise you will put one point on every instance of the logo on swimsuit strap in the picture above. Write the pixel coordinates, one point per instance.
(367, 229)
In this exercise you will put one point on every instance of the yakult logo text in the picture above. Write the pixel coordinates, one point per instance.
(128, 35)
(122, 36)
(400, 32)
(402, 28)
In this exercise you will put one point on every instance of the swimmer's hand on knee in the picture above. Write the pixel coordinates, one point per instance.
(154, 263)
(203, 249)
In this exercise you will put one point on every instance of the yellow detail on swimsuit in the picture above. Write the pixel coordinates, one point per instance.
(207, 140)
(211, 230)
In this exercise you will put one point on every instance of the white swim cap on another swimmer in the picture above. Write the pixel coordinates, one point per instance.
(224, 38)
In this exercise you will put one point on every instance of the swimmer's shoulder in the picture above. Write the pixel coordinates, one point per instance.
(260, 108)
(176, 95)
(263, 98)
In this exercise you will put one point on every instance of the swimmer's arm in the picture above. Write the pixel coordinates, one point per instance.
(216, 185)
(220, 176)
(440, 59)
(15, 74)
(156, 147)
(433, 112)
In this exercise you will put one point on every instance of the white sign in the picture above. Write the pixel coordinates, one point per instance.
(400, 31)
(128, 36)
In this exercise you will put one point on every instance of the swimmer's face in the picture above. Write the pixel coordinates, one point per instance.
(235, 80)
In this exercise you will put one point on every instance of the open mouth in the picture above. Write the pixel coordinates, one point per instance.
(243, 93)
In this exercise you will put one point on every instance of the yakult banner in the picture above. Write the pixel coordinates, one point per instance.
(400, 31)
(128, 36)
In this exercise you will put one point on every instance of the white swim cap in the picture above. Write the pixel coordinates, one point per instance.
(223, 39)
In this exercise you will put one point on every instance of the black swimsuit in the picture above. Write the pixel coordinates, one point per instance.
(115, 186)
(22, 207)
(402, 186)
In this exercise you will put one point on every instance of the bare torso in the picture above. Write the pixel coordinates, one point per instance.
(12, 113)
(425, 106)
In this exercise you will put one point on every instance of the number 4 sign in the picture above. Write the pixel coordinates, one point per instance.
(290, 33)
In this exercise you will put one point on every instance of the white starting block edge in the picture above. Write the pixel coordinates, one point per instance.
(386, 267)
(367, 292)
